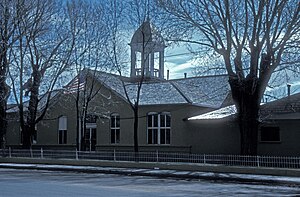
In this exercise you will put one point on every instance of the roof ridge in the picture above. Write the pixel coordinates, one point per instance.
(284, 99)
(180, 92)
(198, 77)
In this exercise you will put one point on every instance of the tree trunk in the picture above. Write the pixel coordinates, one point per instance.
(26, 137)
(3, 105)
(29, 127)
(135, 129)
(3, 122)
(4, 92)
(245, 93)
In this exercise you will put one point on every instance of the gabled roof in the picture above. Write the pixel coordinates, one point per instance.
(208, 91)
(284, 105)
(284, 108)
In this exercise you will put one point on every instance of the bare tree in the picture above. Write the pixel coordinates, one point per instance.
(89, 29)
(8, 19)
(40, 56)
(137, 14)
(252, 37)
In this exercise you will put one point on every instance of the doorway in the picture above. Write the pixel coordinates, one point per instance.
(90, 138)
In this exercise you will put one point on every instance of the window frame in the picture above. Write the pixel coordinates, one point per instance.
(64, 136)
(115, 128)
(63, 130)
(157, 129)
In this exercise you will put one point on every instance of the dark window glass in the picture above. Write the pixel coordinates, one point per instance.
(62, 137)
(117, 135)
(162, 121)
(270, 134)
(117, 121)
(155, 120)
(65, 136)
(168, 117)
(155, 136)
(168, 136)
(112, 121)
(93, 137)
(149, 120)
(149, 136)
(163, 136)
(113, 136)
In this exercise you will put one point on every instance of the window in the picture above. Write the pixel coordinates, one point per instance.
(62, 130)
(90, 138)
(269, 134)
(115, 129)
(159, 128)
(62, 137)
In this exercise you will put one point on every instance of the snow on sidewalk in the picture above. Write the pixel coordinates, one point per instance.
(261, 179)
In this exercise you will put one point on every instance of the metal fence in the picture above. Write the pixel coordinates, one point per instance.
(205, 159)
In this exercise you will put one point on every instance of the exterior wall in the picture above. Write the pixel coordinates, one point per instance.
(48, 128)
(120, 107)
(195, 136)
(13, 131)
(179, 138)
(289, 144)
(213, 136)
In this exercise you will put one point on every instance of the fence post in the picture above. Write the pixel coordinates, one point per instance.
(204, 159)
(9, 152)
(42, 153)
(257, 159)
(115, 155)
(157, 156)
(76, 154)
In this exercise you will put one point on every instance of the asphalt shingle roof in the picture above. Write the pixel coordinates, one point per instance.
(208, 91)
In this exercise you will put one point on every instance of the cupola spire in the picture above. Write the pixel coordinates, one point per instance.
(147, 52)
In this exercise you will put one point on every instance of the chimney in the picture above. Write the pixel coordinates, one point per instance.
(289, 89)
(185, 74)
(168, 74)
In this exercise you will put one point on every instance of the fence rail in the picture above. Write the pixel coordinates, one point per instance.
(206, 159)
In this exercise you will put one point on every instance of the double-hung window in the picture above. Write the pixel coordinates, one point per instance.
(115, 128)
(159, 128)
(62, 130)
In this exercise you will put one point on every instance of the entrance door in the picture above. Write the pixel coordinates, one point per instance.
(90, 139)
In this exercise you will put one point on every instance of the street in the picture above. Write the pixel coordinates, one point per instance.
(48, 183)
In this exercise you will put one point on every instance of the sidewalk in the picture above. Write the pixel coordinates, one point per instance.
(163, 173)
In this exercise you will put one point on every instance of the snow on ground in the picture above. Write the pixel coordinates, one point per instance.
(15, 183)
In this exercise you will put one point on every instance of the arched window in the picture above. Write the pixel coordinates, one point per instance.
(159, 128)
(115, 128)
(62, 130)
